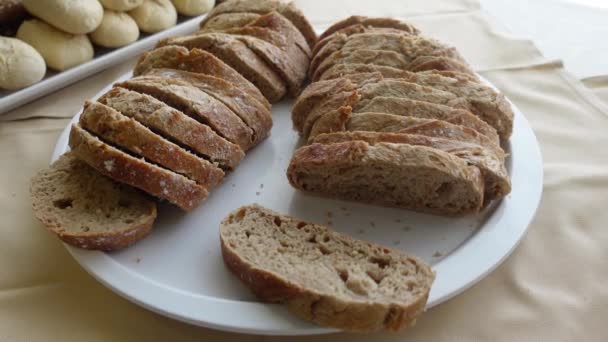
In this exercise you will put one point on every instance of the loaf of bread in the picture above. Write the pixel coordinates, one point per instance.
(321, 275)
(87, 210)
(193, 7)
(387, 102)
(154, 15)
(20, 66)
(71, 16)
(121, 5)
(60, 50)
(116, 29)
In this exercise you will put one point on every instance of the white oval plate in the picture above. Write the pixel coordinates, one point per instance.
(178, 270)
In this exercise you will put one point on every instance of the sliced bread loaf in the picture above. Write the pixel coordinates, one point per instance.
(239, 56)
(122, 167)
(491, 164)
(88, 210)
(254, 114)
(174, 125)
(419, 178)
(197, 104)
(288, 10)
(198, 61)
(126, 133)
(323, 276)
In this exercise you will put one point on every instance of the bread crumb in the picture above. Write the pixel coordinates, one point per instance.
(138, 260)
(329, 222)
(262, 186)
(396, 242)
(233, 185)
(437, 255)
(407, 228)
(372, 223)
(257, 193)
(343, 209)
(361, 231)
(329, 214)
(108, 165)
(398, 221)
(346, 214)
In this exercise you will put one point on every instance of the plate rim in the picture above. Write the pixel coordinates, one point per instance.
(524, 200)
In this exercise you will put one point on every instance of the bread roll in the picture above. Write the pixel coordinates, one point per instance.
(20, 64)
(155, 15)
(117, 29)
(12, 14)
(60, 50)
(72, 16)
(193, 7)
(121, 5)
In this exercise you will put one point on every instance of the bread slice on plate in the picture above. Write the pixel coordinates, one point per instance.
(197, 104)
(254, 114)
(124, 168)
(87, 210)
(126, 133)
(197, 61)
(324, 276)
(174, 125)
(287, 9)
(239, 56)
(418, 178)
(491, 164)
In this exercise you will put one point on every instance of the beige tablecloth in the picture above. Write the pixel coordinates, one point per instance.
(553, 287)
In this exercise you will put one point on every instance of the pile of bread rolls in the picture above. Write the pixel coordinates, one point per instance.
(61, 34)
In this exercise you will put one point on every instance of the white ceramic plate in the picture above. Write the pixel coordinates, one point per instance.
(178, 271)
(104, 58)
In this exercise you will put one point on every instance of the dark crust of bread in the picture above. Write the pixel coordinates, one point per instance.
(239, 56)
(288, 10)
(107, 241)
(175, 125)
(197, 61)
(255, 115)
(124, 168)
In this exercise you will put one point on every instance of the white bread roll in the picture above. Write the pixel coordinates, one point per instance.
(193, 7)
(20, 64)
(72, 16)
(155, 15)
(117, 29)
(60, 50)
(121, 5)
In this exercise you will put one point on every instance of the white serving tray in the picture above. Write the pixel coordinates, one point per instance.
(178, 270)
(104, 58)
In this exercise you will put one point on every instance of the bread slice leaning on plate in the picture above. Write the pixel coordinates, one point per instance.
(87, 210)
(321, 275)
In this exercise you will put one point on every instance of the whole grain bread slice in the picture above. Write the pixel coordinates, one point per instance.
(430, 63)
(253, 113)
(174, 125)
(418, 178)
(369, 22)
(121, 131)
(239, 55)
(288, 10)
(321, 275)
(198, 61)
(408, 46)
(482, 100)
(343, 120)
(88, 210)
(497, 181)
(197, 104)
(122, 167)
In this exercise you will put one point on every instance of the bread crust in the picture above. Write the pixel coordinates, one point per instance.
(138, 173)
(197, 61)
(369, 22)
